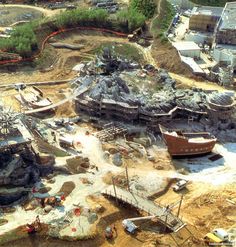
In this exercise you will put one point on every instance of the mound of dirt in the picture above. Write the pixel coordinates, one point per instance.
(67, 188)
(212, 210)
(65, 110)
(167, 58)
(119, 180)
(77, 164)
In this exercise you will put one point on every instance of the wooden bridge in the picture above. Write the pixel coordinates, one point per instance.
(53, 106)
(163, 215)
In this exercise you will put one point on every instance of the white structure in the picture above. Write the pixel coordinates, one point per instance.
(225, 36)
(198, 37)
(188, 49)
(225, 32)
(225, 53)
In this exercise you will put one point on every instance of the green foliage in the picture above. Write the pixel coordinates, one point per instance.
(22, 41)
(220, 3)
(125, 50)
(146, 7)
(82, 17)
(132, 17)
(162, 22)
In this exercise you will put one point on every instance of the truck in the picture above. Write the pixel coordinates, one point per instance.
(179, 185)
(211, 239)
(221, 233)
(217, 237)
(130, 227)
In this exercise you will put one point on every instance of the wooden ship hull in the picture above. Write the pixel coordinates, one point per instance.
(32, 98)
(187, 144)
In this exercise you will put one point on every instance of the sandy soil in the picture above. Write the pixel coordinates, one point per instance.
(160, 55)
(192, 82)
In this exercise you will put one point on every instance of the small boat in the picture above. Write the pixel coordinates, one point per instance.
(187, 144)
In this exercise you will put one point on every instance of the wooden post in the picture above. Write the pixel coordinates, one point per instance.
(114, 187)
(127, 177)
(166, 221)
(180, 203)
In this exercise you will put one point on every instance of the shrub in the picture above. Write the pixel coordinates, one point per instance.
(22, 41)
(132, 17)
(146, 7)
(82, 17)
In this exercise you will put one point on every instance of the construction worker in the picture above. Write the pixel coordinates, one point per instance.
(30, 228)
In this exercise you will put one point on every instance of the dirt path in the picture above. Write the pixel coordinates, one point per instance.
(158, 13)
(206, 85)
(46, 12)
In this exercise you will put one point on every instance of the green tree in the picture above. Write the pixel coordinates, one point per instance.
(134, 18)
(146, 7)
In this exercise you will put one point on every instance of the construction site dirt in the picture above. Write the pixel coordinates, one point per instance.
(105, 136)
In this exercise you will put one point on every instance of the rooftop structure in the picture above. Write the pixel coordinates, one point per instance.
(228, 18)
(205, 18)
(207, 10)
(226, 28)
(221, 107)
(188, 48)
(13, 132)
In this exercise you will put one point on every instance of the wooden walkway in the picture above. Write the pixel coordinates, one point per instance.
(164, 216)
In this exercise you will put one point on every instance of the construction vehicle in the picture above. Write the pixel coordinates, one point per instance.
(140, 37)
(211, 239)
(135, 35)
(179, 185)
(221, 233)
(129, 225)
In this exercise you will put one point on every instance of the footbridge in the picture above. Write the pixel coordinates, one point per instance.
(53, 106)
(164, 216)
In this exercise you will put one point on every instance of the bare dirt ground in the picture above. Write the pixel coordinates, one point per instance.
(46, 12)
(204, 205)
(64, 60)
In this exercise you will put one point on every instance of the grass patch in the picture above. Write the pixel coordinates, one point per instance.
(162, 22)
(46, 58)
(124, 50)
(25, 39)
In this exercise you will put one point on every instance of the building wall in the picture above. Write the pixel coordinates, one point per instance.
(190, 53)
(205, 23)
(223, 55)
(227, 37)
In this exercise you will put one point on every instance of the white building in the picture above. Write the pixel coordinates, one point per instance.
(188, 49)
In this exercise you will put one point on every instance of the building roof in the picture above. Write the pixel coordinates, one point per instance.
(186, 46)
(228, 18)
(221, 99)
(21, 136)
(207, 10)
